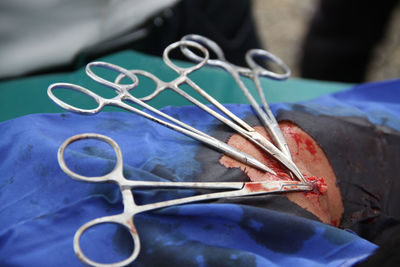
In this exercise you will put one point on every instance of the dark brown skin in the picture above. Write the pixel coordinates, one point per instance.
(310, 159)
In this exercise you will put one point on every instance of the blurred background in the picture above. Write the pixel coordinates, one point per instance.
(335, 40)
(282, 25)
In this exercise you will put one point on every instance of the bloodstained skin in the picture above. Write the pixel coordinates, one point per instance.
(325, 200)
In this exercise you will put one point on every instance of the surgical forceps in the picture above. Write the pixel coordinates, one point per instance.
(126, 218)
(266, 116)
(234, 122)
(123, 94)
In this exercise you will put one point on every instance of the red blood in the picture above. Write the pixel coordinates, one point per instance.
(259, 187)
(296, 137)
(319, 186)
(335, 223)
(254, 187)
(283, 175)
(131, 226)
(302, 139)
(310, 147)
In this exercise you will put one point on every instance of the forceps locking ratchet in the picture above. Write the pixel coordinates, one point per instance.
(255, 70)
(126, 218)
(123, 93)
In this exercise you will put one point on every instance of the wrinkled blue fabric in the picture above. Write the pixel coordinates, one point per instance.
(41, 207)
(377, 102)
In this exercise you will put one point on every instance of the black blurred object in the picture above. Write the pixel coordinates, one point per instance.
(341, 39)
(387, 254)
(227, 22)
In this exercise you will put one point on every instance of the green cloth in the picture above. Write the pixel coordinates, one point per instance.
(28, 95)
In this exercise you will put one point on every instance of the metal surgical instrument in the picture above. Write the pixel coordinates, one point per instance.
(237, 124)
(266, 116)
(123, 94)
(126, 218)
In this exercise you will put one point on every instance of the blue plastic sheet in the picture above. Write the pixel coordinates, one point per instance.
(41, 207)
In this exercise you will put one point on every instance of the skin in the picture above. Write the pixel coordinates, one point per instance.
(310, 159)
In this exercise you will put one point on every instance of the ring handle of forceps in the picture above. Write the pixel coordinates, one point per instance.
(161, 85)
(185, 43)
(112, 85)
(99, 100)
(120, 88)
(123, 219)
(208, 43)
(250, 55)
(116, 175)
(260, 70)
